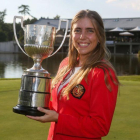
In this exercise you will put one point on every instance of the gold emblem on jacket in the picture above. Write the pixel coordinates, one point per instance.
(78, 91)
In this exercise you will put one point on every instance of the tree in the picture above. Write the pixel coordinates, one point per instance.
(24, 9)
(3, 36)
(30, 21)
(2, 15)
(57, 17)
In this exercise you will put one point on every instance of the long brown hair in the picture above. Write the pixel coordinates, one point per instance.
(99, 57)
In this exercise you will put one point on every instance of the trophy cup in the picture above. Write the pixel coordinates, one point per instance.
(35, 83)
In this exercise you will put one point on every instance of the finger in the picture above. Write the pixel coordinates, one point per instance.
(40, 118)
(34, 118)
(46, 111)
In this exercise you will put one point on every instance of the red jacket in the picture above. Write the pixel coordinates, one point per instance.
(88, 112)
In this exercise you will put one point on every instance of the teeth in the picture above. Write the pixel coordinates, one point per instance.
(83, 44)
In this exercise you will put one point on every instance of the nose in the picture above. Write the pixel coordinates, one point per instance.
(83, 35)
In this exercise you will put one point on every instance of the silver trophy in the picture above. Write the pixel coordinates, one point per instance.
(35, 84)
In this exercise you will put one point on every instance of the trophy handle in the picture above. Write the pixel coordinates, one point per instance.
(14, 27)
(67, 22)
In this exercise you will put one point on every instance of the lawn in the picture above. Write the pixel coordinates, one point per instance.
(125, 124)
(14, 126)
(126, 120)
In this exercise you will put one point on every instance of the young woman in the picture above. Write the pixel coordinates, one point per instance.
(84, 91)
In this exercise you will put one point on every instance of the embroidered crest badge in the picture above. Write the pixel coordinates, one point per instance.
(78, 91)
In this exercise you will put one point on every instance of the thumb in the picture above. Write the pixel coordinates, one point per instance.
(43, 110)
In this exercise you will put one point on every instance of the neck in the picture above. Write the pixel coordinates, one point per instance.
(81, 61)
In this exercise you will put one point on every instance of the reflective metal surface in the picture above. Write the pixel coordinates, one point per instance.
(39, 40)
(35, 84)
(35, 91)
(33, 99)
(39, 43)
(44, 73)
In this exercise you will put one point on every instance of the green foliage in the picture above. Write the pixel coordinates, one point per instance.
(2, 15)
(24, 9)
(7, 34)
(3, 36)
(30, 21)
(6, 29)
(57, 17)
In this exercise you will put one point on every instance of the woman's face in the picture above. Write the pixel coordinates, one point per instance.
(84, 37)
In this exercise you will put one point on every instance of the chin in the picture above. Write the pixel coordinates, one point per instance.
(83, 54)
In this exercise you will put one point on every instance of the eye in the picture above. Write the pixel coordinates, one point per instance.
(91, 31)
(77, 30)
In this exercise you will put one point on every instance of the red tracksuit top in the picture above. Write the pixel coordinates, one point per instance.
(88, 113)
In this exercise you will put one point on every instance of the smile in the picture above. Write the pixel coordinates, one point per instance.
(83, 44)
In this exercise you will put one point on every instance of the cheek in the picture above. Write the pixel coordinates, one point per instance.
(94, 39)
(74, 38)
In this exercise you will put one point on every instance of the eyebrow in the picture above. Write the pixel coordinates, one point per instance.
(89, 28)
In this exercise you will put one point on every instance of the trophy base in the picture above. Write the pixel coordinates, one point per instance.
(25, 110)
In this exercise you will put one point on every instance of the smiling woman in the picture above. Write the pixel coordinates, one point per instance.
(84, 37)
(84, 91)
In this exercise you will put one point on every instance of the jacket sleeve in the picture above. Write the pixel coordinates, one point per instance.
(102, 106)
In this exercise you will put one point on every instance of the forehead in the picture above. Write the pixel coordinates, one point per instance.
(83, 23)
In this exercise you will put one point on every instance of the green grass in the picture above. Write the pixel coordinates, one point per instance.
(14, 126)
(125, 124)
(130, 78)
(126, 120)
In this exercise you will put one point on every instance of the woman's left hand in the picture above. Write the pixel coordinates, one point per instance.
(50, 116)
